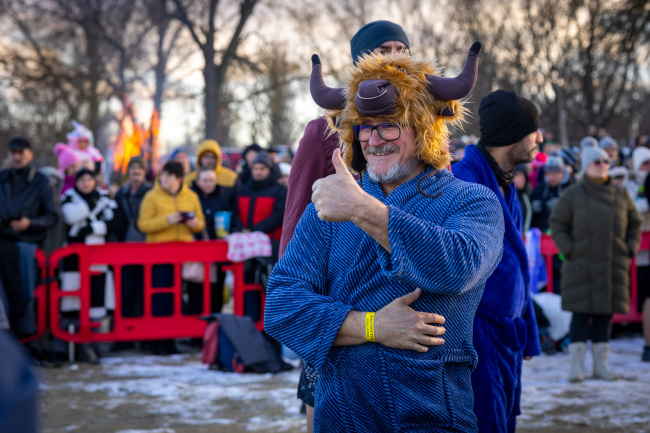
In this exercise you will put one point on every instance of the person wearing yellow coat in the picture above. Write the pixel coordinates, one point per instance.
(209, 155)
(169, 212)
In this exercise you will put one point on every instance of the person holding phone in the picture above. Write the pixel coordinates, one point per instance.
(170, 212)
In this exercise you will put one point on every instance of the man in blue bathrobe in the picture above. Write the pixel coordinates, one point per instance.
(409, 232)
(505, 329)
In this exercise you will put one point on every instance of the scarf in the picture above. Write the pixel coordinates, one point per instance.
(504, 178)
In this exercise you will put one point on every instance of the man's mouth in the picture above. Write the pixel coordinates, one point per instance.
(382, 150)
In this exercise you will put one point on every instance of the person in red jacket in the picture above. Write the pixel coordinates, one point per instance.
(260, 201)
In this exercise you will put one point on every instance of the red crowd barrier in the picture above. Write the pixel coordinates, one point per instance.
(40, 296)
(549, 250)
(147, 326)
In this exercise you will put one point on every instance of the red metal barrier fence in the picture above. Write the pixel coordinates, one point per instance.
(549, 250)
(147, 326)
(178, 325)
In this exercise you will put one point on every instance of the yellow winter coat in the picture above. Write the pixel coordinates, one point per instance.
(225, 176)
(157, 204)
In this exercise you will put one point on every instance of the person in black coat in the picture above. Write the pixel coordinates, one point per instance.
(27, 211)
(128, 199)
(214, 199)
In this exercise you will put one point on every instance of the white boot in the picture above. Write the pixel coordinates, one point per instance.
(600, 351)
(577, 351)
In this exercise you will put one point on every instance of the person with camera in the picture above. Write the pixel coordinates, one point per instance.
(170, 212)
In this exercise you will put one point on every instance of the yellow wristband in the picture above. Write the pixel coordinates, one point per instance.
(370, 327)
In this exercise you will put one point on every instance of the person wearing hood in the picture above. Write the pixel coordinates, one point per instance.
(313, 159)
(407, 230)
(82, 142)
(261, 201)
(69, 164)
(89, 217)
(248, 155)
(596, 270)
(209, 155)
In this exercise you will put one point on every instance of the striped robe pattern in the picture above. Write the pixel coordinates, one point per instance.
(447, 246)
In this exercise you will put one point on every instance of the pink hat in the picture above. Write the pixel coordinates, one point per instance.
(66, 157)
(80, 132)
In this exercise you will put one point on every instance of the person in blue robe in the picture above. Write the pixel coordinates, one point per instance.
(505, 329)
(405, 244)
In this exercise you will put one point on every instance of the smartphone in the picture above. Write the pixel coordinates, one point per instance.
(186, 216)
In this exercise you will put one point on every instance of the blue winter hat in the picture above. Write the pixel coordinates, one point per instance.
(177, 151)
(373, 35)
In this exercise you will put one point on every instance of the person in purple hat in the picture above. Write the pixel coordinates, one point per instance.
(313, 161)
(373, 264)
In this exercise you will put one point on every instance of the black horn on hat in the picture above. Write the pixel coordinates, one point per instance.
(450, 89)
(329, 98)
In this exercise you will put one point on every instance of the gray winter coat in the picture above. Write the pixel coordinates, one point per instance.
(598, 229)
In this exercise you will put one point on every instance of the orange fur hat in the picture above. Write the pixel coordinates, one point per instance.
(402, 89)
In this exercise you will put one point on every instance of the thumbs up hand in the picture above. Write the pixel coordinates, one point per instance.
(338, 196)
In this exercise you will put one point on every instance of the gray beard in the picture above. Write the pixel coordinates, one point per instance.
(398, 172)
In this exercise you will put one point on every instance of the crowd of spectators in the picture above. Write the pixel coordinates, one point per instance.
(541, 187)
(196, 197)
(193, 198)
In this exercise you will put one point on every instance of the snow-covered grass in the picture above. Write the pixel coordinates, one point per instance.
(549, 400)
(180, 390)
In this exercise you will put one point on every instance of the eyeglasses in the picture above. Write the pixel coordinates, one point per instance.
(386, 131)
(601, 161)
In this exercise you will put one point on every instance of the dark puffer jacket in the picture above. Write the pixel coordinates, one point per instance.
(598, 230)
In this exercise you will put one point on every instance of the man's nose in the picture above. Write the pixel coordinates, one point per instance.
(375, 138)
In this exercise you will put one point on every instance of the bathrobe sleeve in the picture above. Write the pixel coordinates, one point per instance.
(298, 311)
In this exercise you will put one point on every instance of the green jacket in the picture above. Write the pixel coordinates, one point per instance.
(597, 229)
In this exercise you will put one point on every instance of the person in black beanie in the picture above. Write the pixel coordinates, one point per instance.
(505, 327)
(313, 161)
(248, 155)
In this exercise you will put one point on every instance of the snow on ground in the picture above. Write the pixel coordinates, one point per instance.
(146, 394)
(550, 401)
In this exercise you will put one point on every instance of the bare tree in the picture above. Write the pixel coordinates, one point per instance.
(201, 20)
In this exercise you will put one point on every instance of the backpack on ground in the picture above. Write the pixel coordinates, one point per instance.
(233, 343)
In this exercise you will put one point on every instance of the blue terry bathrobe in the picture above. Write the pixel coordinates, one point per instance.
(447, 246)
(505, 329)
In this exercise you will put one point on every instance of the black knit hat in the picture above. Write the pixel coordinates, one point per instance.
(84, 171)
(506, 118)
(265, 158)
(373, 35)
(19, 143)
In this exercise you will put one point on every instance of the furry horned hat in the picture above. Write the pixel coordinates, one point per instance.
(404, 90)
